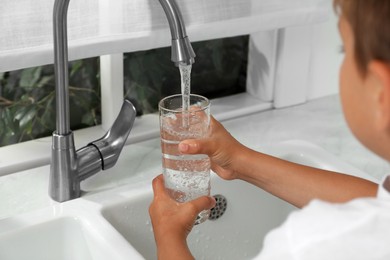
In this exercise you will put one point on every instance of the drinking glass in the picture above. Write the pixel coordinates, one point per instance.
(186, 177)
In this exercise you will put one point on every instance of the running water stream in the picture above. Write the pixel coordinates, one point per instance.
(185, 74)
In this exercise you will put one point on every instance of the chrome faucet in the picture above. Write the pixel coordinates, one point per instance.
(182, 52)
(68, 166)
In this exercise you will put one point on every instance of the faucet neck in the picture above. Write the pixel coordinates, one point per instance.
(175, 19)
(61, 66)
(182, 52)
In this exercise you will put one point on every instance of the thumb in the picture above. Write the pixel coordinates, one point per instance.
(202, 203)
(158, 186)
(196, 146)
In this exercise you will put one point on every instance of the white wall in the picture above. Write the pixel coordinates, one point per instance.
(293, 65)
(326, 59)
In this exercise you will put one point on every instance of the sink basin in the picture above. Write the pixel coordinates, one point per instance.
(60, 239)
(250, 213)
(113, 222)
(64, 232)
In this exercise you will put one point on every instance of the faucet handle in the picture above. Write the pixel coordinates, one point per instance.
(104, 152)
(111, 144)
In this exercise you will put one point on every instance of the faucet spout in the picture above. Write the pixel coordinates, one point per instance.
(182, 52)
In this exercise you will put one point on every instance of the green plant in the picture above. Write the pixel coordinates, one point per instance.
(27, 100)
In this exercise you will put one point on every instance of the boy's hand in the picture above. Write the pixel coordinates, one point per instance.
(173, 221)
(220, 146)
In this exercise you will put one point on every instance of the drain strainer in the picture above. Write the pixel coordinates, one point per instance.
(218, 210)
(220, 207)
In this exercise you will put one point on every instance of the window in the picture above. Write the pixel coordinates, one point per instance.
(219, 70)
(27, 100)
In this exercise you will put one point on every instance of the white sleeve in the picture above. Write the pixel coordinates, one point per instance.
(355, 230)
(276, 244)
(300, 229)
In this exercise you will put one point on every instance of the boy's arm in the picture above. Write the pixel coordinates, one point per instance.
(173, 250)
(294, 183)
(298, 184)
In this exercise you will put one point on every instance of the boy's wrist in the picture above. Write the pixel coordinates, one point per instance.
(170, 238)
(239, 158)
(173, 247)
(244, 164)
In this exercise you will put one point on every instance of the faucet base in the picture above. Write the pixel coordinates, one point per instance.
(63, 169)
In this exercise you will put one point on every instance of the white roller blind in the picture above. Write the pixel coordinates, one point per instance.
(97, 27)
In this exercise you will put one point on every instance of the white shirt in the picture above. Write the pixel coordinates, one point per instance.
(357, 230)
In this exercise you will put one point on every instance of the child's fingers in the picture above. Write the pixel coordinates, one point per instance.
(196, 146)
(202, 203)
(158, 185)
(203, 145)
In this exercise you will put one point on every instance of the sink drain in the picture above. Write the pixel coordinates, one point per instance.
(218, 210)
(220, 207)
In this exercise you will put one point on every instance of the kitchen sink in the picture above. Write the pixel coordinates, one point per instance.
(113, 223)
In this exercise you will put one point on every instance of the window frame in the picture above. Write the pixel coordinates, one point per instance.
(36, 153)
(266, 89)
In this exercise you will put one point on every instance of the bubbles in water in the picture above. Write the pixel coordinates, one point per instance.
(171, 116)
(185, 74)
(185, 186)
(195, 128)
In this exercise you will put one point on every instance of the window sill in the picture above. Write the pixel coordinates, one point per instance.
(36, 153)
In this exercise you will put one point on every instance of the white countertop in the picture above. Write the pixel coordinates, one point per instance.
(319, 121)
